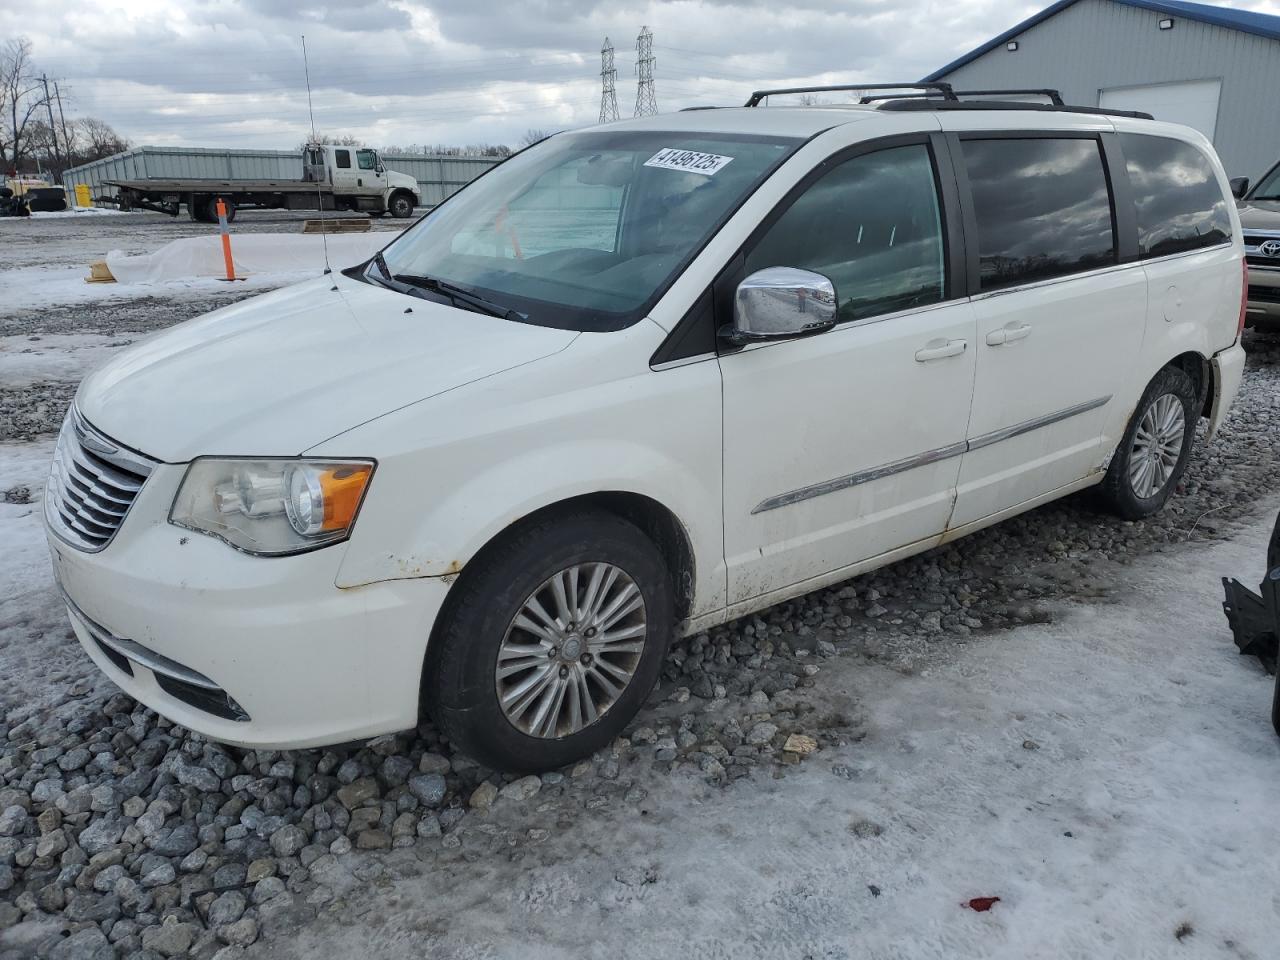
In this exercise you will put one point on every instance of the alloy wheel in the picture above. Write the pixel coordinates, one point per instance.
(1157, 445)
(571, 650)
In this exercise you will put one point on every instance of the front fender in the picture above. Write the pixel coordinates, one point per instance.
(453, 473)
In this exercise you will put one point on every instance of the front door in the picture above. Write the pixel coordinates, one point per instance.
(845, 445)
(1060, 321)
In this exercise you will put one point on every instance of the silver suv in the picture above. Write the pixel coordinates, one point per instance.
(1260, 220)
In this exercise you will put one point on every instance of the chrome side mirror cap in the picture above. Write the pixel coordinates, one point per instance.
(777, 303)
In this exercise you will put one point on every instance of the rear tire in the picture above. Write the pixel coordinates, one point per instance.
(211, 210)
(516, 689)
(1153, 453)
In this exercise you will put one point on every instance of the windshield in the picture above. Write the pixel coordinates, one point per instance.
(586, 231)
(1269, 188)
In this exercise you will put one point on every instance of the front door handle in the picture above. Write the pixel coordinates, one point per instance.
(1008, 333)
(940, 348)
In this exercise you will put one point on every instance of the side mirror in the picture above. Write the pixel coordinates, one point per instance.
(1239, 187)
(379, 168)
(781, 302)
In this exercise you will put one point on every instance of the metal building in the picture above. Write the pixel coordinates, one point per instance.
(1212, 68)
(437, 177)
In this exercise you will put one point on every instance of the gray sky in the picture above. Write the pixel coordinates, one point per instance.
(229, 72)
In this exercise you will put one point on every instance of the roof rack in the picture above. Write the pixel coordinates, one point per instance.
(1053, 96)
(937, 87)
(925, 103)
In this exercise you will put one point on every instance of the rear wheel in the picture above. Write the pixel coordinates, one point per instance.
(553, 642)
(211, 209)
(1156, 446)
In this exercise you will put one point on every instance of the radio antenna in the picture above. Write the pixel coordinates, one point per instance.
(324, 233)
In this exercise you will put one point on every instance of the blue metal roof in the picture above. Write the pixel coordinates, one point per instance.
(1259, 24)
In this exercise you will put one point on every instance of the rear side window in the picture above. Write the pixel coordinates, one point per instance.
(872, 227)
(1043, 208)
(343, 157)
(1179, 204)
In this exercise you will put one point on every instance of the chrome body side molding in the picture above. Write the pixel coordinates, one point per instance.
(929, 456)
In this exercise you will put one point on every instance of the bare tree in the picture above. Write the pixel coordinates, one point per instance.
(93, 139)
(345, 140)
(21, 95)
(534, 135)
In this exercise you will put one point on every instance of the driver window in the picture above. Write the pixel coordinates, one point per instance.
(366, 159)
(872, 226)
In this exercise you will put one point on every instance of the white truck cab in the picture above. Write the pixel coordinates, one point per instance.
(637, 381)
(358, 174)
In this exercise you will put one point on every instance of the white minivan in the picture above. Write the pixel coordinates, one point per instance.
(634, 382)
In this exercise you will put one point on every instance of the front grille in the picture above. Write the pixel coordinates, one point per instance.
(1262, 250)
(92, 484)
(1264, 294)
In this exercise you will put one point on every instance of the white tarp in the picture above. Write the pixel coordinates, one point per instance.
(252, 253)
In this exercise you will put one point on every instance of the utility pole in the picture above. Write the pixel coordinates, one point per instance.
(62, 118)
(609, 78)
(646, 100)
(48, 103)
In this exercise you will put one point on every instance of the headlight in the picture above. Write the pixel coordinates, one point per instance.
(272, 507)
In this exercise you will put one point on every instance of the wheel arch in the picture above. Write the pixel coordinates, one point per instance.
(1200, 370)
(658, 522)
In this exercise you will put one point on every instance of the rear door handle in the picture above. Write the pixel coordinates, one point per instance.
(1008, 333)
(940, 348)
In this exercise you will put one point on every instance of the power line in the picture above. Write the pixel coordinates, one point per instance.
(609, 79)
(646, 99)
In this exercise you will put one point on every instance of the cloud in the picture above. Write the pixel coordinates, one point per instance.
(230, 72)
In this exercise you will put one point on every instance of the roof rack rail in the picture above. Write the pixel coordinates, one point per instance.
(925, 103)
(937, 87)
(1053, 96)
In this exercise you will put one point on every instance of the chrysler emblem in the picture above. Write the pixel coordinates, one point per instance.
(96, 445)
(1270, 249)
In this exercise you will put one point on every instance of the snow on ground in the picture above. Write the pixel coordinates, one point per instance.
(1112, 777)
(39, 288)
(72, 212)
(256, 254)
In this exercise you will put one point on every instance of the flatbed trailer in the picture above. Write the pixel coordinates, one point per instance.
(333, 178)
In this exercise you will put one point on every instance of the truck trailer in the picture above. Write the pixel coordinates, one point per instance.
(332, 178)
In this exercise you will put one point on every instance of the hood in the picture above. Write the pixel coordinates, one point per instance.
(1259, 214)
(279, 373)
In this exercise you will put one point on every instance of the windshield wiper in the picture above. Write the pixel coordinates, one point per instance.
(459, 297)
(1269, 196)
(388, 279)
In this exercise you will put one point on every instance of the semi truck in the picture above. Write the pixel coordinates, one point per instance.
(332, 178)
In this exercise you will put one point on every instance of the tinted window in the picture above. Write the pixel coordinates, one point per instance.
(343, 157)
(1043, 208)
(872, 227)
(1175, 190)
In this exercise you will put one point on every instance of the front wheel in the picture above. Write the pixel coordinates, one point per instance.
(1153, 454)
(401, 206)
(556, 636)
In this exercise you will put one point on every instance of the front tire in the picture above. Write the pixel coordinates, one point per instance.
(1155, 448)
(401, 206)
(552, 643)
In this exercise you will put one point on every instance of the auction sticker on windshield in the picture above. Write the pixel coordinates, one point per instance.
(688, 161)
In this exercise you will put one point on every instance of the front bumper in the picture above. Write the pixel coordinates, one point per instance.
(1263, 307)
(273, 639)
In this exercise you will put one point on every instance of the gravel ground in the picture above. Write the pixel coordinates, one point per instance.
(124, 835)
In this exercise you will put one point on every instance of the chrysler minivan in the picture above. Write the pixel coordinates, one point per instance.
(636, 381)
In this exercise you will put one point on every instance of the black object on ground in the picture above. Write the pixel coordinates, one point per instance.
(1255, 617)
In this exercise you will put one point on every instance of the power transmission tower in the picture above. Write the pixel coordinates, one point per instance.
(609, 78)
(646, 100)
